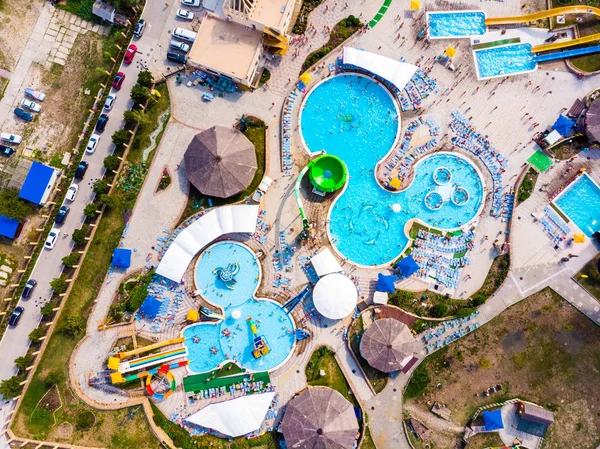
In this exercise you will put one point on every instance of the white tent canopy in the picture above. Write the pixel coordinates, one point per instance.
(324, 263)
(380, 298)
(215, 223)
(553, 137)
(396, 72)
(335, 296)
(236, 417)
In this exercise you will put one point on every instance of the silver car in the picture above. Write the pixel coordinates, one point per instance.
(185, 14)
(31, 105)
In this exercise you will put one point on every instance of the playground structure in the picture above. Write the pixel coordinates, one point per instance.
(227, 274)
(123, 367)
(165, 376)
(260, 346)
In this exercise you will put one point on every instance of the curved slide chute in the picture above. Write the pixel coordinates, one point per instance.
(491, 21)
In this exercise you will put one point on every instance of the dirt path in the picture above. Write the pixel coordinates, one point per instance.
(433, 422)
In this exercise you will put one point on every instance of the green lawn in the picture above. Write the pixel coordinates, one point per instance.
(527, 185)
(589, 277)
(368, 441)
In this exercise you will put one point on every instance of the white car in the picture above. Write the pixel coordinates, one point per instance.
(72, 192)
(194, 3)
(52, 238)
(11, 138)
(92, 143)
(185, 14)
(110, 101)
(31, 105)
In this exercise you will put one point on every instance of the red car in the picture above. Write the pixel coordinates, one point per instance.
(118, 82)
(129, 54)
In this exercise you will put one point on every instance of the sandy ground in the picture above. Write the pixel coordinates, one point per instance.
(17, 20)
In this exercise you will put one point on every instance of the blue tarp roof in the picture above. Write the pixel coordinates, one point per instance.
(407, 266)
(493, 420)
(386, 283)
(563, 125)
(121, 258)
(150, 307)
(36, 183)
(8, 226)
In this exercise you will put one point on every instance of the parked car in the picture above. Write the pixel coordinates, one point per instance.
(194, 3)
(62, 214)
(110, 101)
(140, 26)
(37, 95)
(101, 123)
(16, 316)
(185, 14)
(31, 105)
(7, 151)
(23, 114)
(118, 81)
(129, 54)
(52, 238)
(72, 192)
(81, 169)
(11, 138)
(176, 57)
(181, 46)
(92, 143)
(29, 287)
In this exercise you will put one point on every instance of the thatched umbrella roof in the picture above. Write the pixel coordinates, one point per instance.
(220, 161)
(385, 344)
(319, 418)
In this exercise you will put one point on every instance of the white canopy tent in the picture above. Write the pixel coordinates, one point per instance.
(335, 296)
(553, 137)
(215, 223)
(325, 263)
(236, 417)
(396, 72)
(380, 298)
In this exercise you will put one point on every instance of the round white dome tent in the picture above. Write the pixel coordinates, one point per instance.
(335, 296)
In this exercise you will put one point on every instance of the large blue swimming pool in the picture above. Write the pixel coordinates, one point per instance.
(505, 60)
(363, 226)
(581, 203)
(211, 344)
(456, 24)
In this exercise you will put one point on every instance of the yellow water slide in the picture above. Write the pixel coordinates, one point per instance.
(580, 10)
(126, 354)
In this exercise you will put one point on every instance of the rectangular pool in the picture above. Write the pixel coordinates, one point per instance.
(581, 203)
(456, 24)
(505, 60)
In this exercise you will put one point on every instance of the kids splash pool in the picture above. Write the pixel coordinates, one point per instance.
(228, 274)
(456, 24)
(581, 203)
(362, 223)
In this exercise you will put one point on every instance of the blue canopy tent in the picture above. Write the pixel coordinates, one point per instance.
(150, 307)
(563, 125)
(385, 283)
(407, 266)
(121, 258)
(493, 420)
(8, 226)
(38, 183)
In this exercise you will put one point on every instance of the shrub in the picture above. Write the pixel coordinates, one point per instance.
(36, 334)
(22, 363)
(101, 187)
(69, 261)
(484, 363)
(111, 163)
(85, 420)
(120, 137)
(10, 388)
(90, 211)
(439, 310)
(46, 309)
(130, 118)
(145, 78)
(53, 378)
(140, 94)
(59, 285)
(74, 326)
(79, 235)
(12, 206)
(137, 297)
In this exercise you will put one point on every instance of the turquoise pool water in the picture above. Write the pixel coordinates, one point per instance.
(362, 224)
(456, 24)
(581, 203)
(211, 344)
(505, 60)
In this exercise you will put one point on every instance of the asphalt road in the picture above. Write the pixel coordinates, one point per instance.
(150, 54)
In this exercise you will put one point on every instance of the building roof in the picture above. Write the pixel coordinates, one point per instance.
(577, 108)
(220, 161)
(8, 226)
(319, 418)
(271, 13)
(227, 47)
(386, 345)
(592, 120)
(38, 184)
(335, 296)
(325, 263)
(396, 72)
(103, 10)
(537, 415)
(422, 431)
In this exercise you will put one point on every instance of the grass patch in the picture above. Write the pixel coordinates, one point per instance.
(265, 76)
(323, 358)
(3, 84)
(570, 148)
(131, 294)
(368, 440)
(589, 277)
(340, 32)
(527, 185)
(376, 378)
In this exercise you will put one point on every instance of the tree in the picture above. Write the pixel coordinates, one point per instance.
(53, 378)
(79, 235)
(12, 206)
(145, 78)
(22, 363)
(70, 260)
(439, 310)
(101, 187)
(111, 163)
(130, 118)
(10, 388)
(109, 201)
(58, 285)
(243, 123)
(140, 94)
(89, 211)
(121, 137)
(46, 309)
(74, 326)
(36, 334)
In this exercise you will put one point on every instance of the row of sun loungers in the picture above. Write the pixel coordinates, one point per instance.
(556, 228)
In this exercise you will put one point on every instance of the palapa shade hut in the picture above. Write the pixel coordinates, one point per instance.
(319, 418)
(220, 162)
(386, 345)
